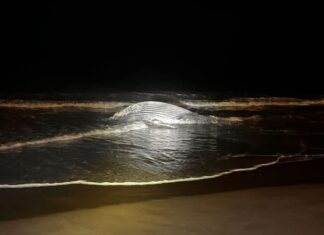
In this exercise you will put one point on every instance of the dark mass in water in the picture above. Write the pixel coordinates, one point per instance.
(160, 113)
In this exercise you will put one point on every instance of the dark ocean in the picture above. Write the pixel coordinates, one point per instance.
(57, 139)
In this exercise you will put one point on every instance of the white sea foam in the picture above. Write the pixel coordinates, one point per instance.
(23, 104)
(252, 118)
(279, 159)
(251, 103)
(71, 137)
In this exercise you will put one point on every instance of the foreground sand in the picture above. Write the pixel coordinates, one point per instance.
(236, 204)
(274, 210)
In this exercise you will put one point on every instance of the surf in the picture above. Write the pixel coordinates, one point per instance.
(134, 117)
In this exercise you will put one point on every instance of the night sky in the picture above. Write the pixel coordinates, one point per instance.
(159, 46)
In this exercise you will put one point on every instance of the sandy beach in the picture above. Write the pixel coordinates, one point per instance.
(267, 201)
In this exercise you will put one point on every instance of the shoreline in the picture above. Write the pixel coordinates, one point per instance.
(133, 184)
(34, 202)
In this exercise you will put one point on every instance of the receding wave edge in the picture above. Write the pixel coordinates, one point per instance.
(148, 183)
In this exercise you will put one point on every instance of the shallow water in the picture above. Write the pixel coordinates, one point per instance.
(62, 139)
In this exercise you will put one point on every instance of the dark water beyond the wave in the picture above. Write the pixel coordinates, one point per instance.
(63, 139)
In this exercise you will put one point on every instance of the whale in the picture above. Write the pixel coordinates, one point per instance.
(155, 112)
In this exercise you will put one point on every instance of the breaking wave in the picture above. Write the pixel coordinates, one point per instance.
(22, 104)
(230, 104)
(251, 103)
(71, 137)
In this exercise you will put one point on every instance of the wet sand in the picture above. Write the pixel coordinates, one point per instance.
(282, 199)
